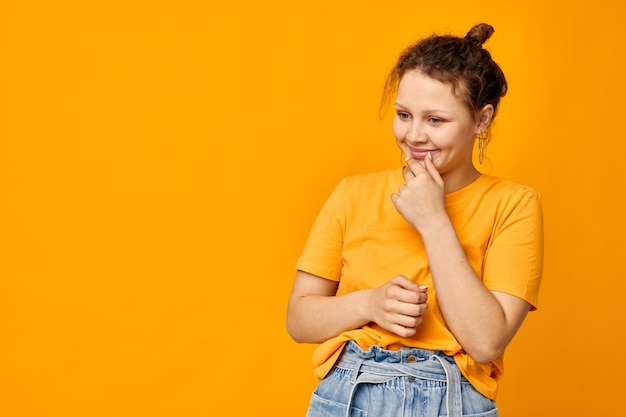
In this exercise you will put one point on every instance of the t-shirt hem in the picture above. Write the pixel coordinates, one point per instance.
(330, 274)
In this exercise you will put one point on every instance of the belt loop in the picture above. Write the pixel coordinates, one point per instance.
(356, 369)
(454, 404)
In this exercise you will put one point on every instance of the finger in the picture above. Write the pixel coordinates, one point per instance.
(402, 331)
(415, 166)
(405, 283)
(430, 167)
(407, 174)
(411, 313)
(409, 322)
(411, 298)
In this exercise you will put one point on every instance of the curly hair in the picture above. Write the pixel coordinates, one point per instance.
(461, 62)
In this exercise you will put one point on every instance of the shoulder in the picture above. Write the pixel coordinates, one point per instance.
(360, 189)
(373, 180)
(512, 201)
(506, 190)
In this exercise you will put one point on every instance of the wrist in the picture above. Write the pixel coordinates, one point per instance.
(364, 304)
(436, 228)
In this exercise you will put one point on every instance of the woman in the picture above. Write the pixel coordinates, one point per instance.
(414, 280)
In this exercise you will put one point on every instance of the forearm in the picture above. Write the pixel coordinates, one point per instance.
(317, 318)
(472, 312)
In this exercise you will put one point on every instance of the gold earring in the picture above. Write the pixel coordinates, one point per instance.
(481, 146)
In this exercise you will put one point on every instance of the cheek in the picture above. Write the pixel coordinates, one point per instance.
(452, 138)
(398, 130)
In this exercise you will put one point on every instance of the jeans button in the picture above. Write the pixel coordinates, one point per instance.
(411, 359)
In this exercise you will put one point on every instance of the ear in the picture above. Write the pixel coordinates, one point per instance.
(484, 118)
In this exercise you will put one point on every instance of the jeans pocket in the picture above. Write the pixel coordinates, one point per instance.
(475, 404)
(491, 413)
(321, 407)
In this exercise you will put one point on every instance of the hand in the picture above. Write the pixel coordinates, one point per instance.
(398, 305)
(422, 198)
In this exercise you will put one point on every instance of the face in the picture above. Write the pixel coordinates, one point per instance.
(430, 119)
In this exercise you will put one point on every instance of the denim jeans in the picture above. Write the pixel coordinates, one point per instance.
(404, 383)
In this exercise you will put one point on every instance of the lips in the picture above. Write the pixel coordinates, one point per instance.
(421, 153)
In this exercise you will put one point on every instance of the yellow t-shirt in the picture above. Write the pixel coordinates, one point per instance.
(360, 240)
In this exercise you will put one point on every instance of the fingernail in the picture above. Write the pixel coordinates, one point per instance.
(430, 156)
(424, 287)
(407, 159)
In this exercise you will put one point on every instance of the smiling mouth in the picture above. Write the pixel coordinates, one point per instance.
(422, 153)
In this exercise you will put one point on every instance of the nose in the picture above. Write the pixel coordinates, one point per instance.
(416, 133)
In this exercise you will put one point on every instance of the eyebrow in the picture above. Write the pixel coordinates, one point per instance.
(396, 104)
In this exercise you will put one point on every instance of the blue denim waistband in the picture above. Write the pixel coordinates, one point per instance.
(377, 366)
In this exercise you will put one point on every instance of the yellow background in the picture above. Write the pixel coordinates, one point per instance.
(161, 164)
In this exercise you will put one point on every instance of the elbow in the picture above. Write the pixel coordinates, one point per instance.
(485, 353)
(294, 328)
(300, 333)
(298, 336)
(297, 339)
(293, 332)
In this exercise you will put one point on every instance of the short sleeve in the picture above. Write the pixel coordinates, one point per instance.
(514, 258)
(322, 253)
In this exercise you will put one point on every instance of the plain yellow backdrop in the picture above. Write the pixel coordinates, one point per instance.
(161, 164)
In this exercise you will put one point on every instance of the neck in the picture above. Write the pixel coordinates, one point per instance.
(460, 181)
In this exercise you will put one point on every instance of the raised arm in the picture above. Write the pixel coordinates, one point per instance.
(483, 321)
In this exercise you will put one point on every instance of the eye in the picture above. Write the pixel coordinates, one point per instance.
(436, 121)
(403, 115)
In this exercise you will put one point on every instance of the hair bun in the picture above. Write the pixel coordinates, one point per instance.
(479, 33)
